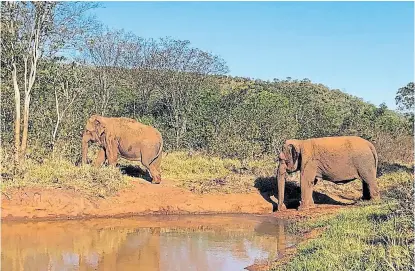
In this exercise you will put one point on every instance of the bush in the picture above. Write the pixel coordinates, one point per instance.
(395, 148)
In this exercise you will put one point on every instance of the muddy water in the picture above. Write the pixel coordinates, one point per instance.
(215, 242)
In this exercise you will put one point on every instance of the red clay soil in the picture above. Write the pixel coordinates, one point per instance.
(142, 198)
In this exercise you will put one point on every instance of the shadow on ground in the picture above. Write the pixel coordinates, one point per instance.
(267, 187)
(385, 168)
(135, 172)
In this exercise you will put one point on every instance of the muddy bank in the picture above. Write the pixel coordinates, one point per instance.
(142, 198)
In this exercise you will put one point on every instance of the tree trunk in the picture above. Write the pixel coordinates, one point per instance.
(25, 125)
(17, 119)
(58, 120)
(85, 139)
(177, 138)
(30, 81)
(105, 93)
(183, 127)
(177, 129)
(55, 132)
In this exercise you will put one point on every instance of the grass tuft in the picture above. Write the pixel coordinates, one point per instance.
(61, 173)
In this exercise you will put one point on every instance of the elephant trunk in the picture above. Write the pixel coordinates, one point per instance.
(281, 174)
(85, 139)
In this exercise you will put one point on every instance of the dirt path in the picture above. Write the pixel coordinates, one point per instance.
(143, 198)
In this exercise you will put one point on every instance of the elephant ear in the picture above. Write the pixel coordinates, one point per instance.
(99, 125)
(294, 153)
(292, 150)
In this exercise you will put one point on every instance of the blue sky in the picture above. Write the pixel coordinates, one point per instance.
(363, 48)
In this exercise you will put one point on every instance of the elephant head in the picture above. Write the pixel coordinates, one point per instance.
(289, 161)
(95, 132)
(291, 155)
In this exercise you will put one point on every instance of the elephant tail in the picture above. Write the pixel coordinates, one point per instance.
(159, 152)
(375, 155)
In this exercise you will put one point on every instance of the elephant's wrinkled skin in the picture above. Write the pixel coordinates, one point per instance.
(126, 137)
(336, 159)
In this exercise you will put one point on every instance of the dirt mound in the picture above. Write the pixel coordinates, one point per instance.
(140, 199)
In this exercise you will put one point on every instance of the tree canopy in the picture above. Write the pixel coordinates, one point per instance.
(168, 83)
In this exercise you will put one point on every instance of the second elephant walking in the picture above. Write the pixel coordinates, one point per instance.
(336, 159)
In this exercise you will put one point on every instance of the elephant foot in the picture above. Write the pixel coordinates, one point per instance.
(281, 207)
(156, 181)
(304, 207)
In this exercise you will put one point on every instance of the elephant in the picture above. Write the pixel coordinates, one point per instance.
(127, 138)
(337, 159)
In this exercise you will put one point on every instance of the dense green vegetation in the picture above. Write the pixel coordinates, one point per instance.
(181, 90)
(230, 117)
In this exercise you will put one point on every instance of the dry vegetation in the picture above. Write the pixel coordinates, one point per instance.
(60, 173)
(196, 172)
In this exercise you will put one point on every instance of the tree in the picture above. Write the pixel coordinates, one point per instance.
(34, 30)
(265, 119)
(68, 87)
(141, 59)
(106, 51)
(405, 101)
(405, 97)
(181, 71)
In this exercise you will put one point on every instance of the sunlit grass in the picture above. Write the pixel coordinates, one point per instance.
(367, 237)
(60, 173)
(199, 173)
(208, 174)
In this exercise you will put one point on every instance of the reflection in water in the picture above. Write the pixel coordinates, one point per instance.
(145, 243)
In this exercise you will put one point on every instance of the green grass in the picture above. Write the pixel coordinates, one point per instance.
(367, 237)
(198, 173)
(206, 174)
(60, 173)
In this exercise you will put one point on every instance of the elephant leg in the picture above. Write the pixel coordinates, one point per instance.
(370, 186)
(155, 170)
(112, 154)
(100, 158)
(366, 194)
(153, 167)
(308, 176)
(112, 160)
(281, 178)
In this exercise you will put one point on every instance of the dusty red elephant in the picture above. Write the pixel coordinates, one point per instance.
(336, 159)
(126, 137)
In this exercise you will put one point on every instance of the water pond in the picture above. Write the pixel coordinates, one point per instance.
(194, 242)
